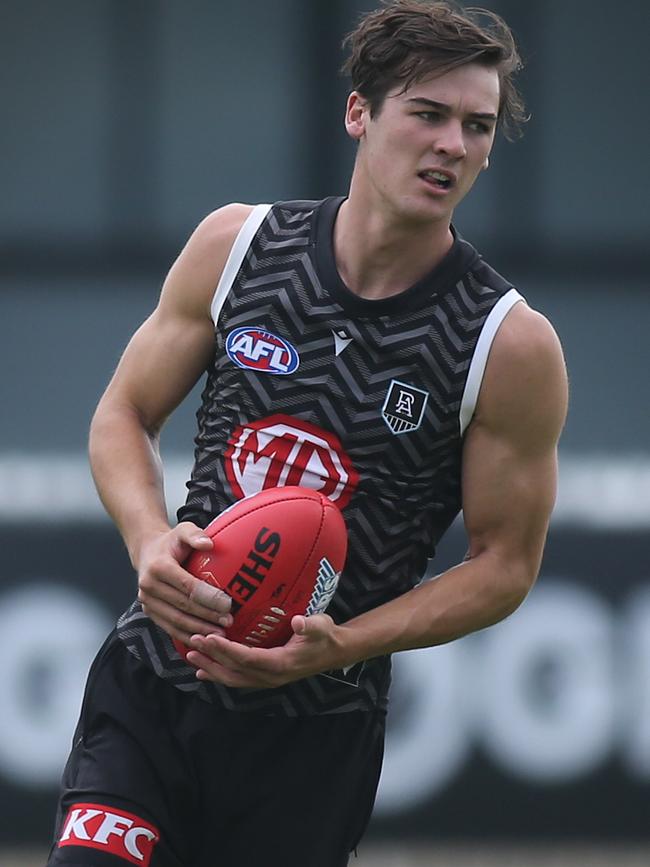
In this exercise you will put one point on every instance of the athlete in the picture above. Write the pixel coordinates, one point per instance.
(361, 347)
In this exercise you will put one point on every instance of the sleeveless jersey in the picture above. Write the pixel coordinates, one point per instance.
(364, 400)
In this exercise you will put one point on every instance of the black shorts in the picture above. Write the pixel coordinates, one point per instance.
(159, 777)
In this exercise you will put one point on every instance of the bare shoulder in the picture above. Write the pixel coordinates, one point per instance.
(525, 382)
(526, 336)
(220, 227)
(194, 276)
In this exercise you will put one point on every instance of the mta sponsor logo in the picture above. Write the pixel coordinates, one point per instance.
(282, 450)
(109, 830)
(326, 583)
(256, 349)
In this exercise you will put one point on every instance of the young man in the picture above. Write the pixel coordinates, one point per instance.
(421, 381)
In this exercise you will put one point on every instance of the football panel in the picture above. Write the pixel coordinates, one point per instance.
(267, 625)
(282, 532)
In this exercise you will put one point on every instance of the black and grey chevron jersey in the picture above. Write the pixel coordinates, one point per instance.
(365, 400)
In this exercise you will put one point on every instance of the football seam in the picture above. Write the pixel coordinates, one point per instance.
(309, 555)
(317, 535)
(316, 540)
(235, 518)
(324, 503)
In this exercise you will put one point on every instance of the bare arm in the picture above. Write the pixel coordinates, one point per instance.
(509, 485)
(161, 364)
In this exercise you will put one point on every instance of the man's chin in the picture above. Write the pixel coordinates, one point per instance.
(422, 209)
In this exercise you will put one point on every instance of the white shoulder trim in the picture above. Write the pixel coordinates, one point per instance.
(481, 352)
(236, 257)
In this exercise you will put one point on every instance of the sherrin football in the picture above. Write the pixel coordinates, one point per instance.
(276, 554)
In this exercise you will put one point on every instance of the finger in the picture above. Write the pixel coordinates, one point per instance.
(164, 568)
(265, 662)
(186, 537)
(199, 660)
(193, 536)
(231, 679)
(203, 660)
(168, 571)
(177, 623)
(154, 588)
(210, 597)
(174, 631)
(228, 653)
(208, 669)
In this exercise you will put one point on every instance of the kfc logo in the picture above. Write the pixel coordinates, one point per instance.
(282, 450)
(256, 349)
(109, 830)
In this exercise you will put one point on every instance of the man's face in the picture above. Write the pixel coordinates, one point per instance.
(420, 155)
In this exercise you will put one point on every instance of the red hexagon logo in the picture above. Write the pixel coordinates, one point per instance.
(282, 450)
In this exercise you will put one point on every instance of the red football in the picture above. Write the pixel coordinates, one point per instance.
(277, 554)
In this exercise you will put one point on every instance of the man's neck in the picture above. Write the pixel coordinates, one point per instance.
(378, 256)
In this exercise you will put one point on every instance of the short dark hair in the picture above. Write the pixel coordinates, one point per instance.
(405, 40)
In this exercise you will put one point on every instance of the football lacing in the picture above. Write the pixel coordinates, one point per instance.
(256, 637)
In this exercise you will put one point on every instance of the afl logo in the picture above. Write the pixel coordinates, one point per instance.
(255, 349)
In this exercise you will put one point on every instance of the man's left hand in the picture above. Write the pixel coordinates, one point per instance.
(313, 648)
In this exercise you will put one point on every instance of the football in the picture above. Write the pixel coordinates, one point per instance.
(277, 553)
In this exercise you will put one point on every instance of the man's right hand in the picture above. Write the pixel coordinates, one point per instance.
(173, 598)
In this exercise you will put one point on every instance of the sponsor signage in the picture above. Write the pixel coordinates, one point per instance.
(283, 450)
(109, 830)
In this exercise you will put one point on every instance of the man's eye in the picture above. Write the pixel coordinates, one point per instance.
(477, 126)
(429, 115)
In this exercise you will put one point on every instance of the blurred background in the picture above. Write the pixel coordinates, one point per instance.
(124, 123)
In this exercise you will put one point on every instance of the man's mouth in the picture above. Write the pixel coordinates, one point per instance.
(441, 179)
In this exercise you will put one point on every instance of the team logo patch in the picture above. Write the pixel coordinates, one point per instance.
(326, 582)
(404, 407)
(109, 830)
(283, 450)
(256, 349)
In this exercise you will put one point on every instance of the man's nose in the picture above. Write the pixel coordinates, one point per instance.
(450, 139)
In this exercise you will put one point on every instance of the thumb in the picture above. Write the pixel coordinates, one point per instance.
(193, 536)
(316, 624)
(187, 537)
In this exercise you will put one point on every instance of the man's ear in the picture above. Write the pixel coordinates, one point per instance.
(356, 116)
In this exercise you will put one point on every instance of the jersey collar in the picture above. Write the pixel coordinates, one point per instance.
(448, 272)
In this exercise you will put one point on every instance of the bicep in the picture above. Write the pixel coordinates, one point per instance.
(162, 362)
(510, 450)
(508, 495)
(172, 348)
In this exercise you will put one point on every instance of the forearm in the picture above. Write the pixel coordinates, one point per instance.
(473, 595)
(469, 597)
(127, 470)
